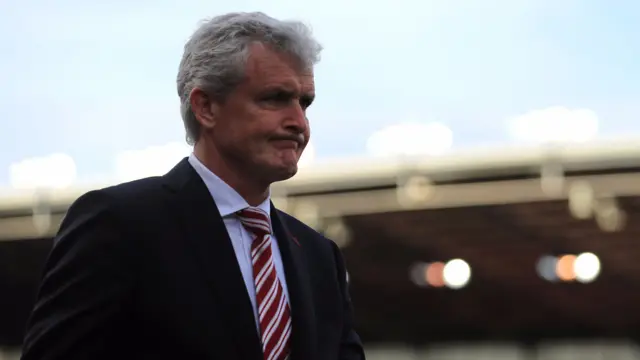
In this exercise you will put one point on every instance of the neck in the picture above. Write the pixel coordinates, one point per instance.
(252, 192)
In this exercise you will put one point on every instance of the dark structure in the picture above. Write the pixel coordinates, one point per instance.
(499, 218)
(506, 298)
(20, 270)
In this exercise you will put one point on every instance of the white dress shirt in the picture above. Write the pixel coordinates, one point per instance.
(229, 202)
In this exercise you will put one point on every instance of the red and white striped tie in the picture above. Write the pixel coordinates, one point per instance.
(273, 308)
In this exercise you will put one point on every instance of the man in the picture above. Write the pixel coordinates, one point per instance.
(197, 264)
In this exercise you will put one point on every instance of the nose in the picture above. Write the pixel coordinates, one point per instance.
(296, 120)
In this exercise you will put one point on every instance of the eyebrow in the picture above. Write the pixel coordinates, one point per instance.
(307, 97)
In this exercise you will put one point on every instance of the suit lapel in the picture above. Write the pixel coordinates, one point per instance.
(302, 315)
(209, 241)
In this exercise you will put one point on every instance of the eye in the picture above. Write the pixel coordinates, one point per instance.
(278, 97)
(306, 101)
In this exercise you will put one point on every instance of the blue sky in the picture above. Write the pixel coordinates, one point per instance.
(93, 80)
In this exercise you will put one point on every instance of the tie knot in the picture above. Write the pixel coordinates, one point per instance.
(255, 221)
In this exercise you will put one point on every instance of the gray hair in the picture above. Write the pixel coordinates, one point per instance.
(215, 56)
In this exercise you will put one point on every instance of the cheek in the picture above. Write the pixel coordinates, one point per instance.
(256, 139)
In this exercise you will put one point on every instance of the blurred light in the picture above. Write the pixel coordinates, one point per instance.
(55, 171)
(418, 274)
(581, 200)
(428, 274)
(415, 190)
(565, 268)
(434, 274)
(586, 267)
(554, 124)
(408, 139)
(456, 273)
(547, 268)
(151, 161)
(609, 216)
(552, 179)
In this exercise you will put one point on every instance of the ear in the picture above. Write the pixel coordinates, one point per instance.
(204, 109)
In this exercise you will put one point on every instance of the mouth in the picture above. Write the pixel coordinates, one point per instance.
(287, 143)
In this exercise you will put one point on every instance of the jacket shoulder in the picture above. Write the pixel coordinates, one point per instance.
(134, 197)
(141, 188)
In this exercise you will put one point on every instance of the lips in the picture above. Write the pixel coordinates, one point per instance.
(292, 142)
(286, 144)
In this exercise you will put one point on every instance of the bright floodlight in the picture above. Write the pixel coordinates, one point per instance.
(55, 171)
(456, 273)
(410, 139)
(586, 267)
(554, 124)
(152, 161)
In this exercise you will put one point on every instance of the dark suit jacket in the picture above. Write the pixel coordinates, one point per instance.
(146, 270)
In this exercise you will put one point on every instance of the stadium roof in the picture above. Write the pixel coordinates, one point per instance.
(350, 187)
(500, 211)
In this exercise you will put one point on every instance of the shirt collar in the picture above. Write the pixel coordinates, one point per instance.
(226, 198)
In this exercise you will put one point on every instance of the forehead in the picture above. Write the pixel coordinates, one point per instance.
(266, 67)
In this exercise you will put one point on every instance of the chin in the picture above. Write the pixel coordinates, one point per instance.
(281, 173)
(288, 172)
(274, 170)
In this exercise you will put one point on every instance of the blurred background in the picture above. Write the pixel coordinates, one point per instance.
(477, 161)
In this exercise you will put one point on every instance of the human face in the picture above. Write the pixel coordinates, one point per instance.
(261, 127)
